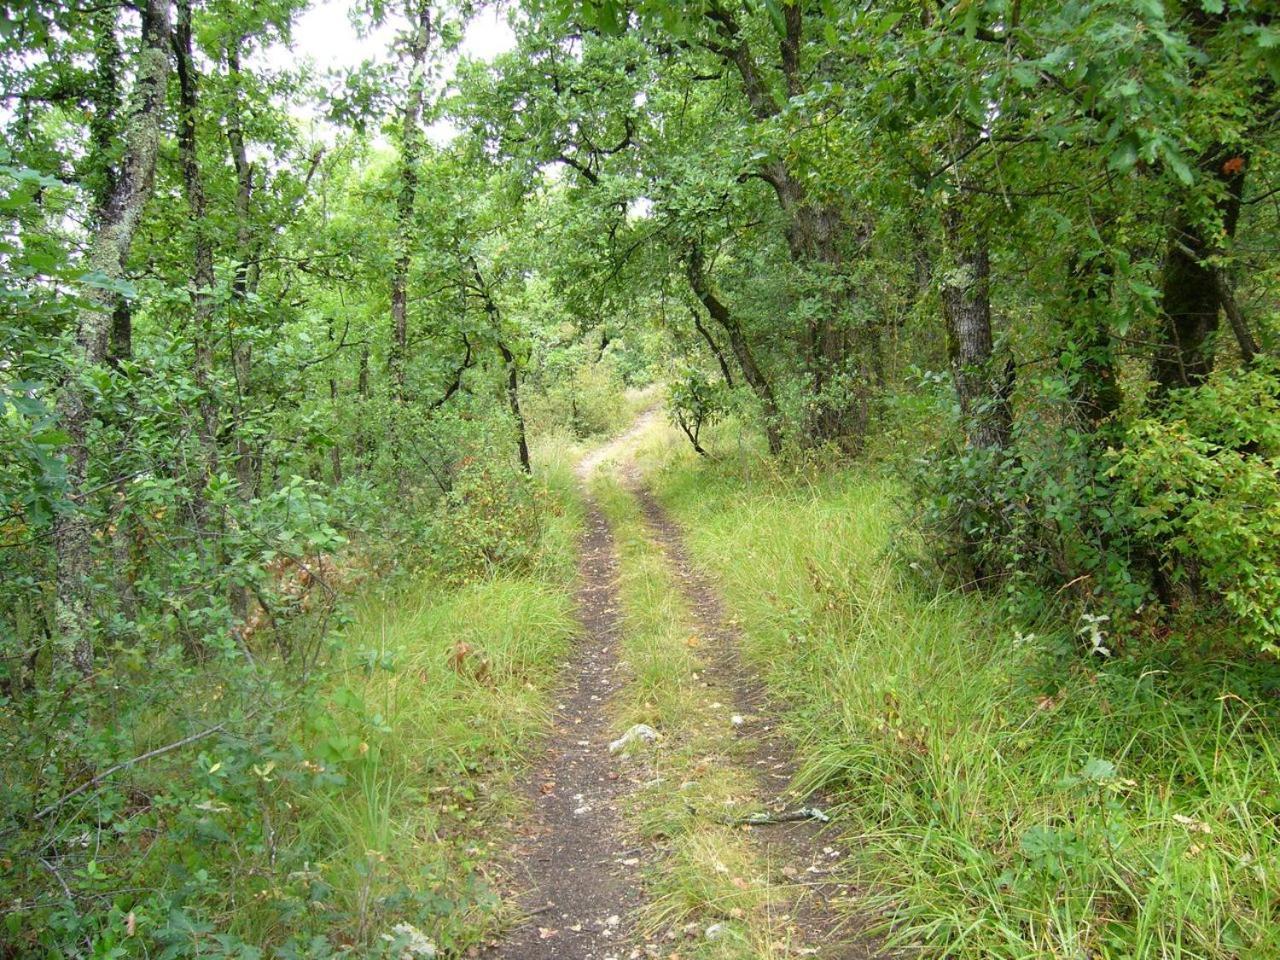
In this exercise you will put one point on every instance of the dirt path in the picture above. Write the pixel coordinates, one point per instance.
(794, 850)
(579, 884)
(579, 892)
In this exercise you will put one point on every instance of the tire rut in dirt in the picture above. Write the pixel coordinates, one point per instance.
(798, 848)
(569, 857)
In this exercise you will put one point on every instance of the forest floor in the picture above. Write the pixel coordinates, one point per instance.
(691, 846)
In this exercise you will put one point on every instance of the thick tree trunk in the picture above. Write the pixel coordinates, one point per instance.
(982, 387)
(418, 13)
(115, 226)
(751, 372)
(202, 274)
(1191, 296)
(1189, 312)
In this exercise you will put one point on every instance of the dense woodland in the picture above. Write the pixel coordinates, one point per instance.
(270, 345)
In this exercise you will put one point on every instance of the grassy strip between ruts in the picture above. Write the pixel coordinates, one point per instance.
(711, 893)
(1009, 798)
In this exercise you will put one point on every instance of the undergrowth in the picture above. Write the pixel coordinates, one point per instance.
(345, 802)
(1009, 796)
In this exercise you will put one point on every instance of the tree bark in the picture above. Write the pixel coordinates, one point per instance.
(715, 348)
(513, 401)
(115, 226)
(335, 452)
(751, 372)
(1191, 297)
(813, 232)
(202, 274)
(418, 13)
(1245, 339)
(982, 389)
(244, 282)
(508, 358)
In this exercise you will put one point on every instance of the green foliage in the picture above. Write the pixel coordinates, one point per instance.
(487, 521)
(696, 402)
(1010, 798)
(1203, 484)
(587, 395)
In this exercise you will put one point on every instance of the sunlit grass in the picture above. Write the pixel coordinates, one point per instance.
(704, 875)
(1006, 799)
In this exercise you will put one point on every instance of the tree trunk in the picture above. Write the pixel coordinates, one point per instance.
(1189, 311)
(814, 230)
(1191, 295)
(982, 389)
(418, 13)
(513, 401)
(115, 226)
(738, 344)
(244, 282)
(202, 275)
(715, 348)
(335, 452)
(362, 391)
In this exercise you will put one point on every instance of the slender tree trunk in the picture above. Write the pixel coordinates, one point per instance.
(244, 283)
(513, 401)
(115, 226)
(418, 13)
(508, 358)
(1095, 388)
(202, 274)
(1245, 339)
(362, 392)
(982, 387)
(832, 358)
(335, 452)
(814, 231)
(751, 372)
(715, 348)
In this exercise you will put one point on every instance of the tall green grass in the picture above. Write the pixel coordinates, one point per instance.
(701, 871)
(439, 695)
(1008, 797)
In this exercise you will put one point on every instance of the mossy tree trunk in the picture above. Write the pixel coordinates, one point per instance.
(116, 223)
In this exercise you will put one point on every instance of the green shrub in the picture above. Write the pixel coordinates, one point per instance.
(588, 397)
(1203, 482)
(487, 521)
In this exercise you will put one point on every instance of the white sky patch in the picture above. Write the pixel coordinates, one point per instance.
(326, 36)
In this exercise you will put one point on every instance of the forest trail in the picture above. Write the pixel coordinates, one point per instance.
(579, 864)
(570, 856)
(793, 851)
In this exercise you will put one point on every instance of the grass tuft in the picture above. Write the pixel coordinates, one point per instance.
(1007, 798)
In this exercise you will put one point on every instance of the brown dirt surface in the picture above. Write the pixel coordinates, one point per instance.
(569, 857)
